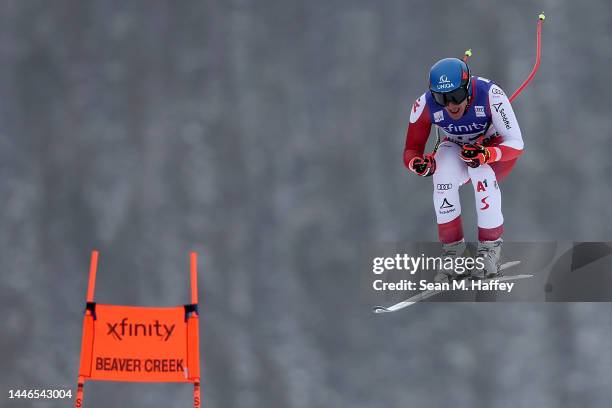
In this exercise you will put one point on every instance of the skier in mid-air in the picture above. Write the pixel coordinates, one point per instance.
(481, 141)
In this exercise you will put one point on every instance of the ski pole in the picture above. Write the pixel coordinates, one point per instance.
(541, 18)
(526, 82)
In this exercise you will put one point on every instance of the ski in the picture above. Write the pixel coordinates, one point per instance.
(429, 293)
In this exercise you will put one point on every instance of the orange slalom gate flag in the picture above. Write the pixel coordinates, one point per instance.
(139, 344)
(146, 344)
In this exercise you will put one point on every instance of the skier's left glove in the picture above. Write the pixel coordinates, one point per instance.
(476, 154)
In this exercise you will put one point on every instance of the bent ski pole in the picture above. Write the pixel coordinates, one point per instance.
(526, 82)
(541, 18)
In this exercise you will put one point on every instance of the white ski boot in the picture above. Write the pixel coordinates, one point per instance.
(450, 250)
(490, 252)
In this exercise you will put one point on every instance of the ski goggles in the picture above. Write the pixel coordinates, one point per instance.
(444, 98)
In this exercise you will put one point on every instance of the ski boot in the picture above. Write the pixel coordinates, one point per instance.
(490, 252)
(450, 250)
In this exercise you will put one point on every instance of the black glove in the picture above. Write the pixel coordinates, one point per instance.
(423, 166)
(475, 155)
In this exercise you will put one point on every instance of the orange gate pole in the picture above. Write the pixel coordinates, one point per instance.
(193, 267)
(91, 286)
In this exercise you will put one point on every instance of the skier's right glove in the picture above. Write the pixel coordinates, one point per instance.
(423, 166)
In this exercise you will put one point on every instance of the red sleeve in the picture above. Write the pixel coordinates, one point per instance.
(509, 153)
(418, 130)
(502, 153)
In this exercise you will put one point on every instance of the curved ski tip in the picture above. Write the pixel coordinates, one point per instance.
(380, 309)
(509, 264)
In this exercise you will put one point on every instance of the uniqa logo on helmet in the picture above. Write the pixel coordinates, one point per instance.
(446, 86)
(444, 83)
